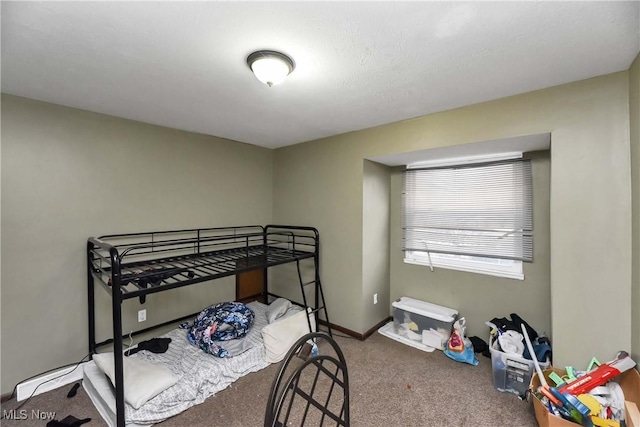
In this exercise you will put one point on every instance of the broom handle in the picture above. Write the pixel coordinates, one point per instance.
(543, 380)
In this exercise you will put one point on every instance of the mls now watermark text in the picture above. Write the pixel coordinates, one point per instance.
(23, 414)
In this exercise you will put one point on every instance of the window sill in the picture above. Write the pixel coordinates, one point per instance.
(469, 268)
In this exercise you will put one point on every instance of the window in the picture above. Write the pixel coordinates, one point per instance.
(469, 217)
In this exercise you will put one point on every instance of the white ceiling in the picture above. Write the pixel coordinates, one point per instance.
(358, 64)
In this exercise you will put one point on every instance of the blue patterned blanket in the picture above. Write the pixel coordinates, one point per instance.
(220, 322)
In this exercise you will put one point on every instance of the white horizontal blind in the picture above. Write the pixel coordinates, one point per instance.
(482, 210)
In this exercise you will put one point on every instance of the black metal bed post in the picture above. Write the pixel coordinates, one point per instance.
(116, 306)
(91, 300)
(265, 272)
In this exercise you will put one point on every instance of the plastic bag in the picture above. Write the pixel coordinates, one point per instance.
(459, 347)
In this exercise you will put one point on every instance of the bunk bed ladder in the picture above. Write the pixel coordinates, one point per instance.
(319, 305)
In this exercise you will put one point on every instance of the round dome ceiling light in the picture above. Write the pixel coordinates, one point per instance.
(270, 67)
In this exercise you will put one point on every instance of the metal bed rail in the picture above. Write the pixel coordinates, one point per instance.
(137, 264)
(150, 264)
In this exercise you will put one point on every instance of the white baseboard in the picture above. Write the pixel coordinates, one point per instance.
(47, 382)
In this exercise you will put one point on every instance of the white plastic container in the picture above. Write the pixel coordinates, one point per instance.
(512, 373)
(422, 321)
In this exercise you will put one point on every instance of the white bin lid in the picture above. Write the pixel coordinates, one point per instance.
(427, 309)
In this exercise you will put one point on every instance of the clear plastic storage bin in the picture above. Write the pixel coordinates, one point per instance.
(511, 373)
(421, 321)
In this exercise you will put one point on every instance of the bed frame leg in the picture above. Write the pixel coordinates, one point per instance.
(91, 305)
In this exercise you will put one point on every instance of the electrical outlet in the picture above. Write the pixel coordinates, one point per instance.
(375, 298)
(142, 315)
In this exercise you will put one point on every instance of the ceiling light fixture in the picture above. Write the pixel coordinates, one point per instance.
(270, 67)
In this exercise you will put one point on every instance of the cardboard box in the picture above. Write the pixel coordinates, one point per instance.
(629, 381)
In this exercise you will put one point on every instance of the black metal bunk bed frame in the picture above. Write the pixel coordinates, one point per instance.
(137, 264)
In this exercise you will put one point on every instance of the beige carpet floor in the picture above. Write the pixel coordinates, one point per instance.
(391, 384)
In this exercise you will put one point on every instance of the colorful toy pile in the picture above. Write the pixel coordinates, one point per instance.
(588, 398)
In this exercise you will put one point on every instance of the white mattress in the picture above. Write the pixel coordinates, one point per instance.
(201, 375)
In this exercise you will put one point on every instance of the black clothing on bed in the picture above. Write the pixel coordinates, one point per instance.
(154, 345)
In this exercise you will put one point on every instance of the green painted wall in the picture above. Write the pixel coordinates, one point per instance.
(477, 297)
(376, 196)
(320, 183)
(69, 174)
(634, 122)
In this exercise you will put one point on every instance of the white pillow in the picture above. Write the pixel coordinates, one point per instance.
(280, 335)
(277, 308)
(143, 380)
